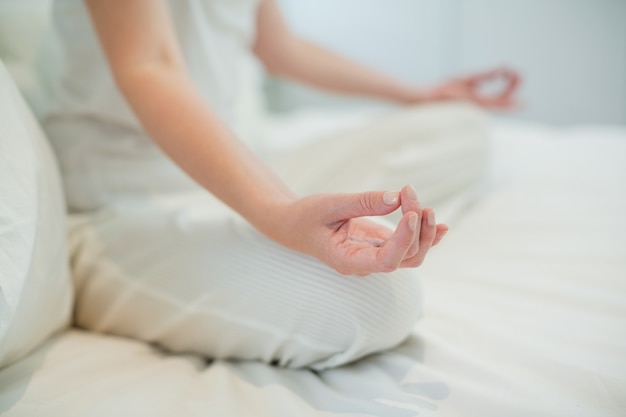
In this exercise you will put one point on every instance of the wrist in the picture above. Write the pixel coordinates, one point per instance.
(412, 95)
(274, 217)
(291, 223)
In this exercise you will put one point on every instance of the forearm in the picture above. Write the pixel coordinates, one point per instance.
(184, 126)
(312, 64)
(285, 54)
(139, 42)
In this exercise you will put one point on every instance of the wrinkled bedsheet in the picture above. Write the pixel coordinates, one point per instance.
(525, 315)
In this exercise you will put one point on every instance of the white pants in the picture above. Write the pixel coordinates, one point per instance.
(184, 271)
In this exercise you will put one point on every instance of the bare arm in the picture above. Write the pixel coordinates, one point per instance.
(140, 45)
(138, 39)
(285, 54)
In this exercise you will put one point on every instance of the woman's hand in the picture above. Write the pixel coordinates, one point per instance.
(470, 87)
(332, 228)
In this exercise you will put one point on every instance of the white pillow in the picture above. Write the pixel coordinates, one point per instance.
(35, 286)
(29, 48)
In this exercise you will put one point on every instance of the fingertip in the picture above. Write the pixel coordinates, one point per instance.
(391, 198)
(428, 217)
(409, 192)
(441, 232)
(409, 200)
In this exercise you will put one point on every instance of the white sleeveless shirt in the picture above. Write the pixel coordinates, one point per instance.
(88, 119)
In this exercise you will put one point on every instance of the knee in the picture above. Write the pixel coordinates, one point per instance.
(449, 115)
(378, 312)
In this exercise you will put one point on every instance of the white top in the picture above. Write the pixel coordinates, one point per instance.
(104, 153)
(214, 36)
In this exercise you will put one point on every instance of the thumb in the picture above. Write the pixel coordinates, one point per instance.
(371, 203)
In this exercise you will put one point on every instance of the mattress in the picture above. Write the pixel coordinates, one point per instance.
(525, 315)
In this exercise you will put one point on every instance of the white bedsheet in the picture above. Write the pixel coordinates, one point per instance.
(525, 315)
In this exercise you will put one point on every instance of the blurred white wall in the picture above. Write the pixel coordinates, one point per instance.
(572, 53)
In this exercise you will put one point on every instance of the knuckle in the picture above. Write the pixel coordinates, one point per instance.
(366, 202)
(408, 240)
(387, 266)
(412, 251)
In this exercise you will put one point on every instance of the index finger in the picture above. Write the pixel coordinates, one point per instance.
(513, 82)
(391, 254)
(409, 201)
(387, 257)
(481, 77)
(410, 204)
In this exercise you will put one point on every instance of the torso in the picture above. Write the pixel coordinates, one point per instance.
(102, 148)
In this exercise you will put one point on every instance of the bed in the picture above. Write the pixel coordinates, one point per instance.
(525, 300)
(525, 312)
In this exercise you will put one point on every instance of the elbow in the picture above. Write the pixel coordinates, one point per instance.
(275, 67)
(135, 75)
(133, 69)
(277, 59)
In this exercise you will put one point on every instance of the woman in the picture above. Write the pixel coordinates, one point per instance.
(143, 107)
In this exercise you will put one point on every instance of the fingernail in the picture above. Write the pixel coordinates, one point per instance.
(431, 218)
(413, 222)
(410, 192)
(391, 198)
